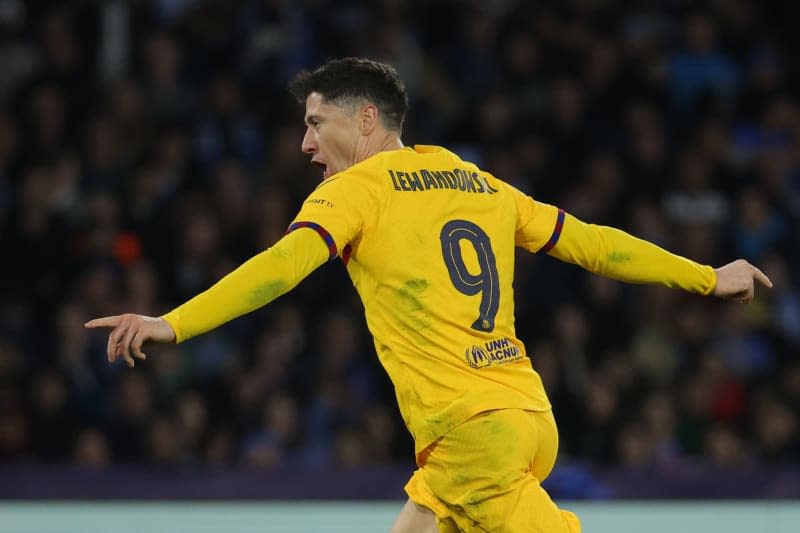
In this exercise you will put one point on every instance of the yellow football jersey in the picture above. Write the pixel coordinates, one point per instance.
(428, 240)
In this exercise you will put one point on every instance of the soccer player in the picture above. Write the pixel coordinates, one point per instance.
(428, 240)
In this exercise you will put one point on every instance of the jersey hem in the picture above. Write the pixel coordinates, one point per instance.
(457, 414)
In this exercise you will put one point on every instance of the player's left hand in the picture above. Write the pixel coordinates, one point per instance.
(129, 332)
(736, 281)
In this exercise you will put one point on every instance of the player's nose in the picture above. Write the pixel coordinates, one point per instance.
(309, 146)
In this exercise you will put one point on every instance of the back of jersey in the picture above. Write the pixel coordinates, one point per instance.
(433, 261)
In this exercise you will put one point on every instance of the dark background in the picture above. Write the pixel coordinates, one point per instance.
(147, 148)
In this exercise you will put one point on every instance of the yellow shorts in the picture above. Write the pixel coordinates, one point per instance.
(486, 474)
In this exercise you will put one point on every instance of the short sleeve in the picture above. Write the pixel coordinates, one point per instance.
(336, 211)
(538, 224)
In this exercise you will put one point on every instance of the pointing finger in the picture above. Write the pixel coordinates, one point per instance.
(761, 277)
(104, 322)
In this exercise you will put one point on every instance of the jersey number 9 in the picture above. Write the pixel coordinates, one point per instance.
(486, 281)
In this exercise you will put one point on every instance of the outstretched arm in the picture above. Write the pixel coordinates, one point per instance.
(615, 254)
(254, 284)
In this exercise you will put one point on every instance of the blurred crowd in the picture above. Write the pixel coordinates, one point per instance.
(148, 147)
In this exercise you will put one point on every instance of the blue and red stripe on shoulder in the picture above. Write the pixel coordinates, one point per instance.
(322, 233)
(556, 233)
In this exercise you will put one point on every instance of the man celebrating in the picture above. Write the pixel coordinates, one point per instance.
(428, 240)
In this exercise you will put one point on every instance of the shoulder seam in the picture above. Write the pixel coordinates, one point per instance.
(325, 182)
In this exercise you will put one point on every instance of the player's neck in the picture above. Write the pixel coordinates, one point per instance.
(392, 142)
(376, 143)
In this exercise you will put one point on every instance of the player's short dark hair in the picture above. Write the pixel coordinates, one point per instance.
(344, 81)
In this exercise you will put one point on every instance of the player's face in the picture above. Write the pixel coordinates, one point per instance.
(332, 135)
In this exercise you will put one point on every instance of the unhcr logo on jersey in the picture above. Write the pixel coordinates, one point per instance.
(496, 351)
(477, 357)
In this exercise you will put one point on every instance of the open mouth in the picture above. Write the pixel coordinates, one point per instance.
(323, 167)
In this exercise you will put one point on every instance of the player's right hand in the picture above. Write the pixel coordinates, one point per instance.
(736, 281)
(129, 332)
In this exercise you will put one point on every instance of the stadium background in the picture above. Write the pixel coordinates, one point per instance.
(146, 148)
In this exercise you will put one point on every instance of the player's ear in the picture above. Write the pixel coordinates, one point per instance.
(369, 118)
